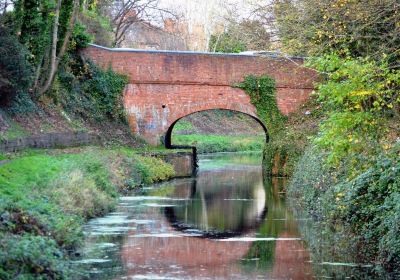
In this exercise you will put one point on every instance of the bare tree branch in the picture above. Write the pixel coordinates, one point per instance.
(126, 13)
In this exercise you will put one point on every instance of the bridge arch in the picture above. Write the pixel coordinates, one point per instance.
(168, 135)
(164, 86)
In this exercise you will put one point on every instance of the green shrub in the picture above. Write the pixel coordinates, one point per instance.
(106, 87)
(366, 207)
(80, 38)
(357, 95)
(22, 104)
(367, 204)
(78, 194)
(226, 43)
(152, 169)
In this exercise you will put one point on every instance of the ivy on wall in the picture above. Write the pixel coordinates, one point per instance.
(278, 153)
(261, 90)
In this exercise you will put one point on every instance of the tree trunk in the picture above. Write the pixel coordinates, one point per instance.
(53, 55)
(55, 59)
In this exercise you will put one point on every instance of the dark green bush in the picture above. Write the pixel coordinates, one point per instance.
(106, 87)
(16, 73)
(31, 257)
(22, 103)
(369, 205)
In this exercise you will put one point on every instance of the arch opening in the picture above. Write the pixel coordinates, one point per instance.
(168, 135)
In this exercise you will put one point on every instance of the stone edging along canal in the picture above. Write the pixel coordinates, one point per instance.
(50, 140)
(184, 162)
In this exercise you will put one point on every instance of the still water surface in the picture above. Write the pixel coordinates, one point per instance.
(227, 223)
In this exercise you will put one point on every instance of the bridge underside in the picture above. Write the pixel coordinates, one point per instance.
(153, 109)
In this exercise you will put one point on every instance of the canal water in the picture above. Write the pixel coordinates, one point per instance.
(227, 223)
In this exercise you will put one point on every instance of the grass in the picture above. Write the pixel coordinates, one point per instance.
(45, 198)
(183, 125)
(221, 143)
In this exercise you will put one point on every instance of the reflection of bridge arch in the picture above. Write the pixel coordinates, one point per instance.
(247, 111)
(256, 211)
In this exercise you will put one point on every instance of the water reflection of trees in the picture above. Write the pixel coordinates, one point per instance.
(284, 259)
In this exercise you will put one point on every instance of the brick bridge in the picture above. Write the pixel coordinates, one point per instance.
(165, 86)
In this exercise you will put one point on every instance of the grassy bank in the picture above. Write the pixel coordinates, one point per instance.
(221, 143)
(46, 197)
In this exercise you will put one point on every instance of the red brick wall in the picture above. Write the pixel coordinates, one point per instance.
(166, 86)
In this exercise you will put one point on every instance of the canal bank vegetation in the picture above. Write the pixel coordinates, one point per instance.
(349, 178)
(46, 86)
(45, 197)
(42, 94)
(284, 150)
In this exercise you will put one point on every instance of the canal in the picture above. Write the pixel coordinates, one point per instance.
(227, 223)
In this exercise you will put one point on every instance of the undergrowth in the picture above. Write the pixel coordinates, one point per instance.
(362, 212)
(85, 90)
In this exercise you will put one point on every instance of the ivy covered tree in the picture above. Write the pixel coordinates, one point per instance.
(45, 28)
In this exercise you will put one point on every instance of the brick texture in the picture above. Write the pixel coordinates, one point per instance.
(166, 86)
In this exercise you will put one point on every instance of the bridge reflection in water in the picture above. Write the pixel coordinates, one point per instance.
(225, 224)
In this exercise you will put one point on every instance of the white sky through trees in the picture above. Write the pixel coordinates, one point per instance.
(208, 15)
